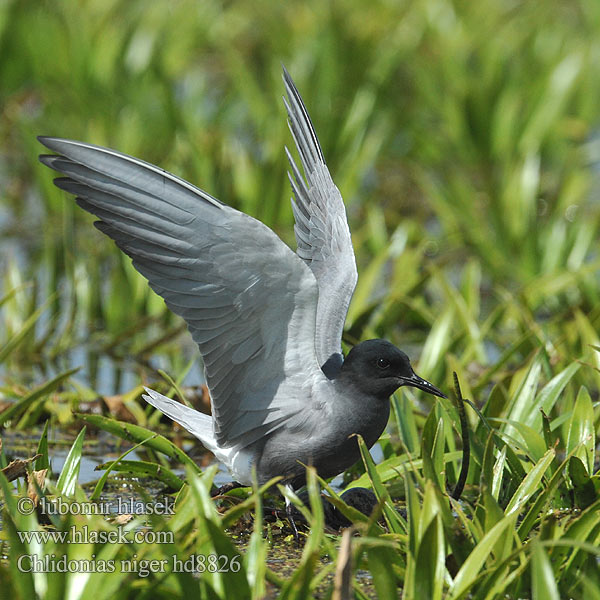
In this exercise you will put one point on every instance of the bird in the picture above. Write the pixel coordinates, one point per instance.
(268, 321)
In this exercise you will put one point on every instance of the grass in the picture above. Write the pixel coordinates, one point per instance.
(463, 137)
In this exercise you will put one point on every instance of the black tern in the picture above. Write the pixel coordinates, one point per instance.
(268, 321)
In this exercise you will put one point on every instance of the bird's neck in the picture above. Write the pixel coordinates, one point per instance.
(354, 386)
(361, 412)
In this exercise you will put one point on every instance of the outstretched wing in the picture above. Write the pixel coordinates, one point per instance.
(321, 228)
(249, 301)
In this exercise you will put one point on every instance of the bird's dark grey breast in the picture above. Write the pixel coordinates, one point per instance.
(325, 441)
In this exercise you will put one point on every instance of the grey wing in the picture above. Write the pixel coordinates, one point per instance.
(321, 228)
(248, 300)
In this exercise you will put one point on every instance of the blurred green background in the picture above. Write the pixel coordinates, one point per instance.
(463, 137)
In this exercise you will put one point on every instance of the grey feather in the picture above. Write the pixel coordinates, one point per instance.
(321, 228)
(242, 292)
(195, 422)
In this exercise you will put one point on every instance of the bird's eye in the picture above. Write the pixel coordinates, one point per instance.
(383, 363)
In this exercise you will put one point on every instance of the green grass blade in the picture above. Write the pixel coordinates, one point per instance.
(12, 344)
(255, 557)
(21, 405)
(429, 564)
(392, 519)
(138, 468)
(42, 462)
(543, 581)
(67, 479)
(530, 484)
(136, 434)
(470, 570)
(582, 431)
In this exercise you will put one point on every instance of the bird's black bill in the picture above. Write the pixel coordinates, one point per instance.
(422, 384)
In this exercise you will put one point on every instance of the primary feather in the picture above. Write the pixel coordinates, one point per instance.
(248, 300)
(321, 228)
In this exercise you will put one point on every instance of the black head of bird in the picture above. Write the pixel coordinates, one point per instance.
(378, 368)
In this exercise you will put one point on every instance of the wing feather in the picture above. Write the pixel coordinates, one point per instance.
(250, 303)
(321, 228)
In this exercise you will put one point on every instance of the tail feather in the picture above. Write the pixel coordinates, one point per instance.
(197, 423)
